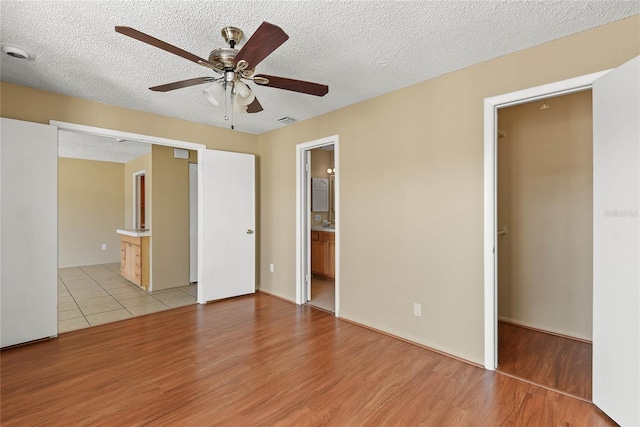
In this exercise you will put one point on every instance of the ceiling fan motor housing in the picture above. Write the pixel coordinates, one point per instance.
(223, 57)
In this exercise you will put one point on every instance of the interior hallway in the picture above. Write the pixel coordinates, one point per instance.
(97, 294)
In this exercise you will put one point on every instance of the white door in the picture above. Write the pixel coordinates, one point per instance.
(193, 223)
(616, 243)
(228, 250)
(28, 231)
(307, 227)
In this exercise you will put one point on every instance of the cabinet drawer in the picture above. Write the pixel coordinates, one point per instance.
(327, 236)
(315, 236)
(133, 240)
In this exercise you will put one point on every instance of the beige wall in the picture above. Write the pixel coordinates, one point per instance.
(545, 200)
(320, 162)
(170, 219)
(142, 163)
(413, 230)
(90, 209)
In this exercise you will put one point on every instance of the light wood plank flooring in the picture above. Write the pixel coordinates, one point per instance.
(549, 360)
(261, 361)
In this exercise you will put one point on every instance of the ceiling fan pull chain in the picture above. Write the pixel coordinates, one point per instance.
(226, 110)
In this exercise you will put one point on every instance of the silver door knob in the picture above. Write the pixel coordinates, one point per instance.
(249, 231)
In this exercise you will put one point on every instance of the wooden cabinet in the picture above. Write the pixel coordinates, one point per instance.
(323, 253)
(134, 260)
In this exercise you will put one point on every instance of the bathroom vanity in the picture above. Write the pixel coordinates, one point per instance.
(134, 256)
(323, 251)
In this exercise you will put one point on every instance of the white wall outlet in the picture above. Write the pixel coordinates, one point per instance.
(317, 217)
(271, 268)
(104, 246)
(417, 309)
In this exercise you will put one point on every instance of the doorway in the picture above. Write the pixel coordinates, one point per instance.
(318, 224)
(545, 242)
(237, 196)
(615, 245)
(322, 228)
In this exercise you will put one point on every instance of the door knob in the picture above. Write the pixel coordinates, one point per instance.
(249, 231)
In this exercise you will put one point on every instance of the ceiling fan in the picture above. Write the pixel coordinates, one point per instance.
(233, 66)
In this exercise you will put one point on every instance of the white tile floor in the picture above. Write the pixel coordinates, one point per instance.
(97, 294)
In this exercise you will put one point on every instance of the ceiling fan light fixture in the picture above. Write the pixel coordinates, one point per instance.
(242, 94)
(236, 106)
(214, 93)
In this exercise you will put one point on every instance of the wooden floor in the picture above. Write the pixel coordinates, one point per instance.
(546, 359)
(261, 361)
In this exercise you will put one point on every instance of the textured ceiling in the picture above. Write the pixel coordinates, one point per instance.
(76, 145)
(361, 49)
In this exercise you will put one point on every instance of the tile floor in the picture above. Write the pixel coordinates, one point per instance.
(97, 294)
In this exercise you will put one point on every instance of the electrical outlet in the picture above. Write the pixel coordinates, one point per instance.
(317, 217)
(417, 309)
(104, 246)
(271, 268)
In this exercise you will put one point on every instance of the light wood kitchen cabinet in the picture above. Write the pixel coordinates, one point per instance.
(323, 253)
(134, 260)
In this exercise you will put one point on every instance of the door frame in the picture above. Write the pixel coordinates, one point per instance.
(129, 136)
(491, 106)
(303, 218)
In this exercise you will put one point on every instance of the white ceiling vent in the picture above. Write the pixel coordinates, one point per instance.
(286, 120)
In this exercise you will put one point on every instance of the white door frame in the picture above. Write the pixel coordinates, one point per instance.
(303, 245)
(491, 106)
(110, 133)
(136, 191)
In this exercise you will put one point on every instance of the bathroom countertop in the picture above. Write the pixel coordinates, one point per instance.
(327, 229)
(135, 233)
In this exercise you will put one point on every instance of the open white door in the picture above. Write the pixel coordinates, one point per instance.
(616, 243)
(28, 231)
(307, 226)
(229, 244)
(193, 222)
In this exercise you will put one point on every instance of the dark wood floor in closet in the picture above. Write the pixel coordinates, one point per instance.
(549, 360)
(261, 361)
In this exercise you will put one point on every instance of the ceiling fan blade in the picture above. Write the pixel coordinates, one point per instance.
(183, 83)
(146, 38)
(254, 107)
(266, 39)
(293, 85)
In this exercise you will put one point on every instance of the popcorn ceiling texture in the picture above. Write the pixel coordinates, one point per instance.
(92, 147)
(361, 49)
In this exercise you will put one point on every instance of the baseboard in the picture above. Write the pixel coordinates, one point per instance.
(408, 341)
(353, 322)
(276, 296)
(556, 332)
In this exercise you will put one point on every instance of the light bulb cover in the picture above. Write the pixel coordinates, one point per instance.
(243, 95)
(236, 106)
(214, 93)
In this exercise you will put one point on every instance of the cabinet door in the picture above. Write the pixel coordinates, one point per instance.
(318, 257)
(331, 259)
(136, 272)
(123, 259)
